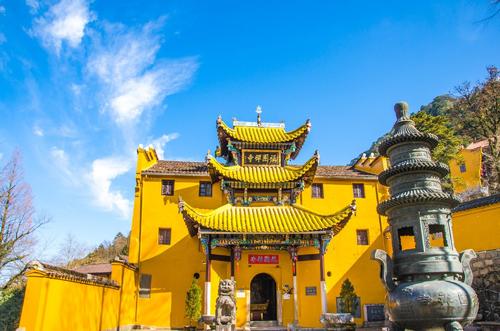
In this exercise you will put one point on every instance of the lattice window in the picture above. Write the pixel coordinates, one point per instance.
(317, 191)
(167, 187)
(145, 286)
(205, 189)
(362, 237)
(358, 190)
(164, 236)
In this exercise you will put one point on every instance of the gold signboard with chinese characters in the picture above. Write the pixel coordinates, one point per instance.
(261, 157)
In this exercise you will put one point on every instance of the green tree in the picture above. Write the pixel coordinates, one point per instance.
(193, 303)
(348, 297)
(450, 142)
(440, 105)
(477, 116)
(11, 303)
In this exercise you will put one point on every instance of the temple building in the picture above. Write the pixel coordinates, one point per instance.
(288, 234)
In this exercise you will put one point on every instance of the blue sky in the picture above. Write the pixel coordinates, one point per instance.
(83, 83)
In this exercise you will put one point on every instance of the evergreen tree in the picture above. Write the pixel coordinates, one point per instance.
(450, 142)
(193, 303)
(348, 297)
(440, 105)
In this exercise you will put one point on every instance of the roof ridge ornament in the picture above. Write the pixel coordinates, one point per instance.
(258, 110)
(316, 154)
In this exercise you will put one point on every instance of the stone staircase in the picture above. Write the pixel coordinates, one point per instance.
(266, 326)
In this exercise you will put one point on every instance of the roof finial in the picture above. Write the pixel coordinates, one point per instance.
(401, 109)
(258, 111)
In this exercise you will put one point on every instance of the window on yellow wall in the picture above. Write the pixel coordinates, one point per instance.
(317, 191)
(358, 190)
(145, 286)
(164, 236)
(463, 168)
(362, 237)
(167, 187)
(205, 189)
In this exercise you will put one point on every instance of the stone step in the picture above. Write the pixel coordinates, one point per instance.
(264, 324)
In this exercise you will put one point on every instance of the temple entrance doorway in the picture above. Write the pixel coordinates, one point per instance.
(263, 305)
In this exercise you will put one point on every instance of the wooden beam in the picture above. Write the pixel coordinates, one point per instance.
(308, 257)
(217, 257)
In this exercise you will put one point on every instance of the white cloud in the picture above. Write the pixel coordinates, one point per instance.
(63, 22)
(66, 130)
(2, 10)
(34, 5)
(76, 89)
(160, 142)
(134, 81)
(3, 39)
(61, 162)
(103, 172)
(38, 131)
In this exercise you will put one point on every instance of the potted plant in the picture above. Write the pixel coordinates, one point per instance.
(193, 305)
(349, 303)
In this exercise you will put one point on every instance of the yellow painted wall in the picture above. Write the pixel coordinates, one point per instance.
(344, 258)
(57, 304)
(126, 277)
(471, 178)
(477, 228)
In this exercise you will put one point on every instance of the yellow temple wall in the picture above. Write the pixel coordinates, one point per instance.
(477, 228)
(126, 277)
(471, 177)
(172, 266)
(62, 304)
(345, 258)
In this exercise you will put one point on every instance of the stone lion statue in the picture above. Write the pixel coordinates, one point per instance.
(225, 306)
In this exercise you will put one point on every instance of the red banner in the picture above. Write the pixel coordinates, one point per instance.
(263, 259)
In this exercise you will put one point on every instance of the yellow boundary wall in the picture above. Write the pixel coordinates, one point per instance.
(56, 302)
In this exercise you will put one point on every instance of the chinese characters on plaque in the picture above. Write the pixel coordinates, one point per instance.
(263, 259)
(261, 158)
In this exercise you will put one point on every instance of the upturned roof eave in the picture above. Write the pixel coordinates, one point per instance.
(307, 172)
(196, 219)
(224, 133)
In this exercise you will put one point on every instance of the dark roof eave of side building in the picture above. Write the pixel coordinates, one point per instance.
(477, 203)
(200, 169)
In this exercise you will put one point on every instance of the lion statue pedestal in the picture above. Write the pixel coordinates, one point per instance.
(225, 307)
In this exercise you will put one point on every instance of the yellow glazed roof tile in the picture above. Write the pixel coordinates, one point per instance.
(262, 134)
(262, 174)
(268, 219)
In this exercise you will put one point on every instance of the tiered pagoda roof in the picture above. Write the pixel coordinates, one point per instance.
(260, 134)
(263, 174)
(263, 219)
(261, 187)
